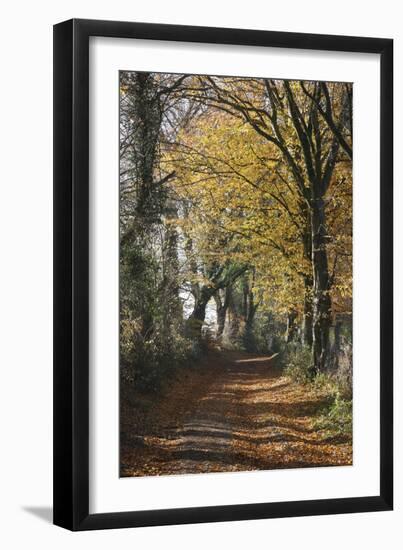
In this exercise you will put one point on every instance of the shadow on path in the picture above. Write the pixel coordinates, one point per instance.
(240, 414)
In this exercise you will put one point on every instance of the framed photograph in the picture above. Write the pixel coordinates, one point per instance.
(223, 322)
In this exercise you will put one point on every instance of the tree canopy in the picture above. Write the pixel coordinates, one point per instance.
(236, 203)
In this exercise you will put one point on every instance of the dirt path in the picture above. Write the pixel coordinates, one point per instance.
(233, 412)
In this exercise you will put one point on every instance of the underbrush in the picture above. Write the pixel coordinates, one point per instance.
(147, 363)
(296, 361)
(336, 416)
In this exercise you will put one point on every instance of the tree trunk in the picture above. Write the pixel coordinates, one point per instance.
(147, 117)
(221, 310)
(291, 326)
(198, 315)
(308, 282)
(337, 343)
(337, 336)
(307, 319)
(234, 321)
(321, 284)
(145, 112)
(168, 294)
(249, 336)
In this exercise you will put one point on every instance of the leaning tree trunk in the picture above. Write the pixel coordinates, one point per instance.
(221, 310)
(198, 315)
(321, 285)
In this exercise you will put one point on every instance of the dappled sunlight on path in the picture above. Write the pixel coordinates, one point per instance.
(233, 412)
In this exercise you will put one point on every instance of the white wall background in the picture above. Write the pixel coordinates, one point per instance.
(26, 279)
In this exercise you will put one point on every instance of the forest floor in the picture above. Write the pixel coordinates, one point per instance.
(233, 411)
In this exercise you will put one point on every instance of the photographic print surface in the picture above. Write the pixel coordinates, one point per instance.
(235, 274)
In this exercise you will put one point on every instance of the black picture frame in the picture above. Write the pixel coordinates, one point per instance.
(71, 274)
